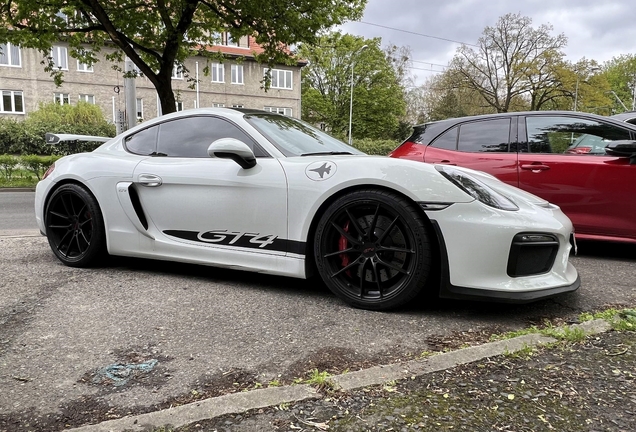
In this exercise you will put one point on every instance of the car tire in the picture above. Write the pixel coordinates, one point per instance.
(75, 226)
(372, 249)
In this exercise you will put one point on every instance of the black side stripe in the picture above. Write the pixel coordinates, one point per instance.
(278, 244)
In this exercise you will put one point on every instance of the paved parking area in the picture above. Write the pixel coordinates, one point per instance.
(59, 325)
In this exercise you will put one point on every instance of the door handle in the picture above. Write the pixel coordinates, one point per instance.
(446, 162)
(149, 180)
(535, 166)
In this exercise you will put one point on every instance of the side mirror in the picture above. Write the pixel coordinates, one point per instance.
(231, 148)
(622, 148)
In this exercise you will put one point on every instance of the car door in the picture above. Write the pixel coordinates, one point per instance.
(202, 201)
(482, 145)
(594, 190)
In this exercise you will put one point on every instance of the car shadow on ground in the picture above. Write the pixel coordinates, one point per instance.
(606, 250)
(314, 289)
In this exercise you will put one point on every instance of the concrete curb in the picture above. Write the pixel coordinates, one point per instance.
(241, 402)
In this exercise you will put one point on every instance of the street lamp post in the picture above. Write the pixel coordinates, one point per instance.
(576, 90)
(351, 100)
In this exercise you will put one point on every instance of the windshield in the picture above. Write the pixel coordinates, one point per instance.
(296, 138)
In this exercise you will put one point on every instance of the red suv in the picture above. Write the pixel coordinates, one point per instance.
(584, 163)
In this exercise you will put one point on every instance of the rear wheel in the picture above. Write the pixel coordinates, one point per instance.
(372, 250)
(74, 226)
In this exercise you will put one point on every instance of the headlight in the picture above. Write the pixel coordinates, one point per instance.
(475, 188)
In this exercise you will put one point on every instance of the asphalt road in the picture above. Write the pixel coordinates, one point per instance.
(59, 325)
(16, 211)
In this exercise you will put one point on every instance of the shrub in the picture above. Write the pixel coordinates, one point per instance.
(375, 147)
(27, 137)
(37, 164)
(8, 164)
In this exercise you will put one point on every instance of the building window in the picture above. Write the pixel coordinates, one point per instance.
(218, 72)
(237, 74)
(140, 109)
(279, 110)
(12, 102)
(61, 98)
(218, 105)
(224, 38)
(59, 56)
(230, 40)
(177, 72)
(84, 67)
(238, 106)
(179, 106)
(87, 98)
(281, 79)
(10, 55)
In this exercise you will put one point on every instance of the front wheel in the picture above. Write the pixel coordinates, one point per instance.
(74, 226)
(372, 250)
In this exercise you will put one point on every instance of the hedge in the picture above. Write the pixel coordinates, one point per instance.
(27, 136)
(375, 147)
(33, 164)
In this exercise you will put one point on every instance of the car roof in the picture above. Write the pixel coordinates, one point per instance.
(447, 123)
(627, 115)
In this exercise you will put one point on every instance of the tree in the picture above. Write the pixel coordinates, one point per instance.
(378, 101)
(159, 35)
(512, 60)
(621, 75)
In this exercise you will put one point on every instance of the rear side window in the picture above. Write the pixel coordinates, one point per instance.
(484, 136)
(571, 135)
(143, 142)
(447, 140)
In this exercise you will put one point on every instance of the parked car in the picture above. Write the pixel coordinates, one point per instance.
(584, 163)
(252, 190)
(628, 116)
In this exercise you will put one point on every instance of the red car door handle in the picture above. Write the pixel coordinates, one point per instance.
(447, 162)
(537, 166)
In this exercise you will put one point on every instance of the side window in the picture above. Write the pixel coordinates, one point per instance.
(190, 137)
(447, 140)
(143, 142)
(571, 135)
(485, 136)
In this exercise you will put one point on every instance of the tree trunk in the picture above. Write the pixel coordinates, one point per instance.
(166, 97)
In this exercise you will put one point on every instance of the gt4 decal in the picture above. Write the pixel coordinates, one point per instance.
(230, 238)
(241, 239)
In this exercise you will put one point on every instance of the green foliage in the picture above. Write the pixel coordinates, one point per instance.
(37, 164)
(321, 380)
(621, 75)
(27, 137)
(23, 171)
(375, 147)
(8, 164)
(156, 35)
(378, 98)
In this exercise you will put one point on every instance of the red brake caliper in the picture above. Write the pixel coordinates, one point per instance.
(342, 245)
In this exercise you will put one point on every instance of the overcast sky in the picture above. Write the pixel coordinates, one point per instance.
(596, 29)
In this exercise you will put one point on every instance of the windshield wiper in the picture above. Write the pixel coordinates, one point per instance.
(327, 153)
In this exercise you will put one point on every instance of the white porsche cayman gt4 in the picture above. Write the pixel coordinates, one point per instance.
(252, 190)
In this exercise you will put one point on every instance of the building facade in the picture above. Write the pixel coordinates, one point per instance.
(234, 82)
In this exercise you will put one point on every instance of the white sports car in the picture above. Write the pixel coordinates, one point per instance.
(251, 190)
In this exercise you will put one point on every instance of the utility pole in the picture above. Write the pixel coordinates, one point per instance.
(131, 95)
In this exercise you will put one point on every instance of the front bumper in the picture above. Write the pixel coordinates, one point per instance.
(481, 256)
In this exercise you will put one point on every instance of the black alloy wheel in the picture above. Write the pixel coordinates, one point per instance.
(372, 250)
(74, 226)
